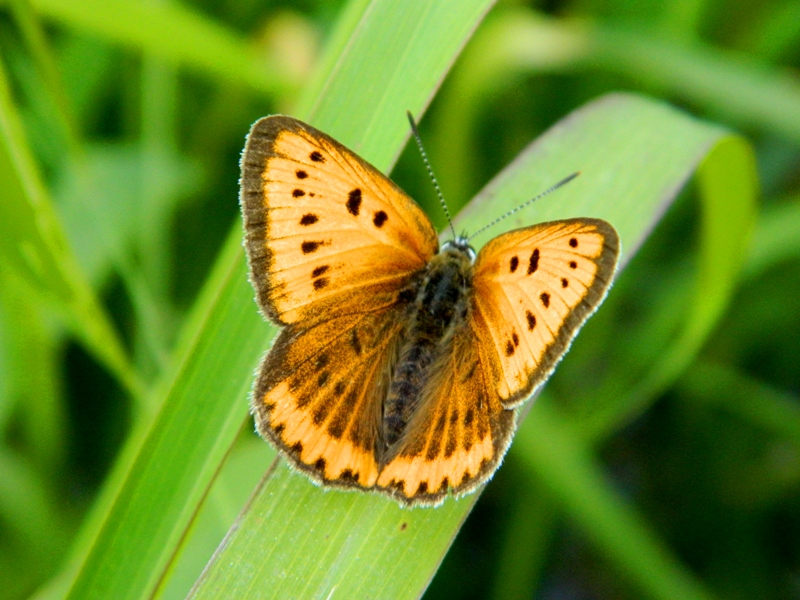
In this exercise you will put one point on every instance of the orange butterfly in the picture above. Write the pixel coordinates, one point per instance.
(400, 365)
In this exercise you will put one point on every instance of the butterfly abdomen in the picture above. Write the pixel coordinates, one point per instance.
(440, 305)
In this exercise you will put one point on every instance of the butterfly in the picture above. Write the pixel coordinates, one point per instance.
(400, 365)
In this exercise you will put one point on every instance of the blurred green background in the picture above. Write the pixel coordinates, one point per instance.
(122, 126)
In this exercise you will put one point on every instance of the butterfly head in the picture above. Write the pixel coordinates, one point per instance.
(460, 245)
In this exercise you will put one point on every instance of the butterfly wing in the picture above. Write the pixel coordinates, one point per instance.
(332, 243)
(533, 289)
(325, 230)
(458, 437)
(319, 393)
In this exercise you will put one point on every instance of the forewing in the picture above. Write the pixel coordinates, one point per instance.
(458, 437)
(325, 230)
(533, 289)
(319, 393)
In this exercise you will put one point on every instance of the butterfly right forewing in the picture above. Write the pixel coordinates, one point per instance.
(533, 289)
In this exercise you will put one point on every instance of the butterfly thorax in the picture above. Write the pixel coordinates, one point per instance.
(441, 302)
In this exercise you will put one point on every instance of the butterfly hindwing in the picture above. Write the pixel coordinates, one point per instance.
(533, 289)
(459, 435)
(324, 229)
(319, 393)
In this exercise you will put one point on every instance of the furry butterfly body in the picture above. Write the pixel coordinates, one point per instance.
(400, 365)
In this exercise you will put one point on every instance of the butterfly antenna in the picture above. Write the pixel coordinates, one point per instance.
(430, 171)
(564, 181)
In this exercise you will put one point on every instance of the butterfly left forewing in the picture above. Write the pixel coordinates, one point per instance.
(533, 289)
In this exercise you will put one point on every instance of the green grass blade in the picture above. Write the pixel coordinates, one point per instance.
(776, 238)
(33, 243)
(728, 187)
(733, 391)
(353, 545)
(173, 32)
(31, 29)
(563, 463)
(205, 405)
(203, 412)
(374, 123)
(532, 526)
(634, 156)
(518, 42)
(739, 87)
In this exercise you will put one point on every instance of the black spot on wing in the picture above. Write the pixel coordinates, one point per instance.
(379, 219)
(298, 193)
(573, 264)
(564, 282)
(343, 415)
(399, 486)
(321, 412)
(531, 320)
(322, 361)
(469, 417)
(321, 283)
(308, 219)
(301, 174)
(354, 202)
(316, 157)
(309, 247)
(468, 437)
(573, 242)
(322, 269)
(355, 342)
(348, 476)
(514, 264)
(545, 298)
(533, 262)
(468, 376)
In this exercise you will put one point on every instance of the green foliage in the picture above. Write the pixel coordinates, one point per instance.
(661, 460)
